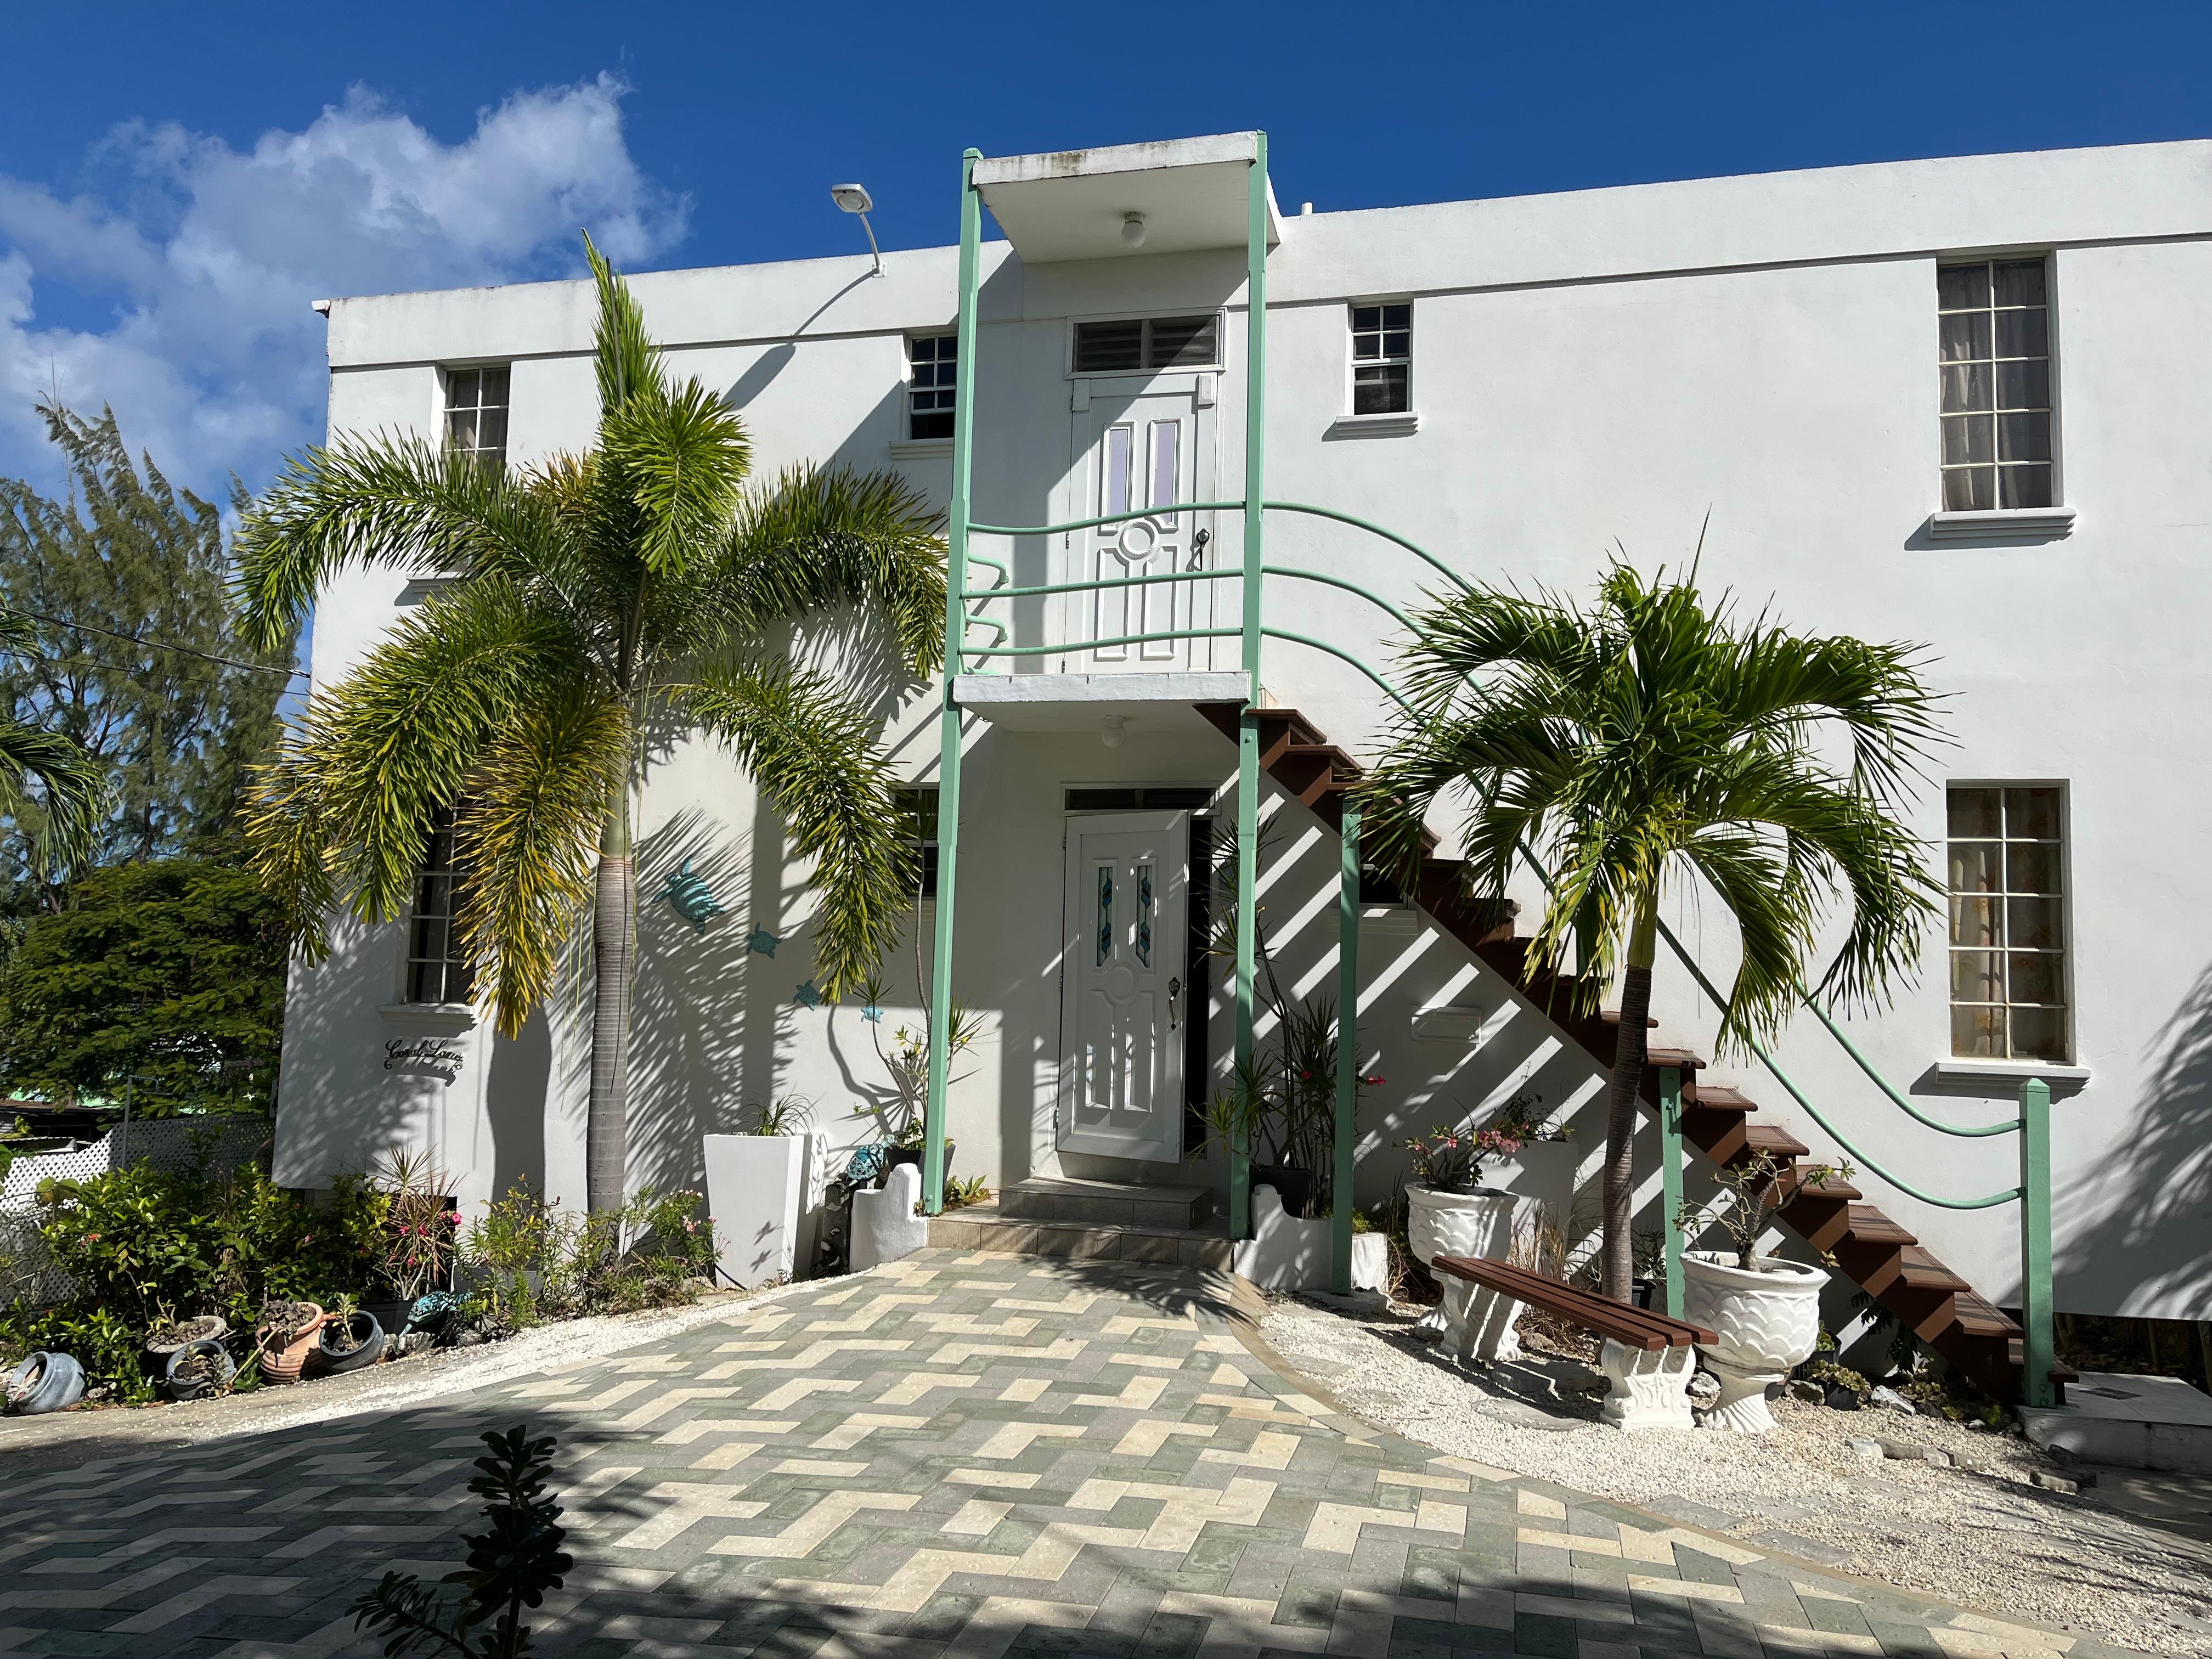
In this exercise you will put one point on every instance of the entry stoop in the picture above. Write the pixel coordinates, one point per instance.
(1102, 1220)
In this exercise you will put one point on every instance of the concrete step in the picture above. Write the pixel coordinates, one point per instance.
(1106, 1203)
(2136, 1422)
(986, 1227)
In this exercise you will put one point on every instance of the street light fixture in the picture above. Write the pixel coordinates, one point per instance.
(854, 198)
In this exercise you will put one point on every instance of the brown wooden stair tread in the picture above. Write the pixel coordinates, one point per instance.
(1924, 1272)
(1719, 1097)
(1777, 1142)
(1869, 1225)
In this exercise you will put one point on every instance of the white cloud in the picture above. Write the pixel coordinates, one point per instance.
(207, 257)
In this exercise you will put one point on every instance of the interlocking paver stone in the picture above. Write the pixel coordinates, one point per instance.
(957, 1457)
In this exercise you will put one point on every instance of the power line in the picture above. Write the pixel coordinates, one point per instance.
(158, 645)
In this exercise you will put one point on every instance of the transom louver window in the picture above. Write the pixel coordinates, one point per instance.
(437, 967)
(1993, 324)
(2008, 922)
(1133, 345)
(933, 370)
(476, 412)
(1382, 359)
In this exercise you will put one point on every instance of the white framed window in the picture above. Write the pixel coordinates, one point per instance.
(2006, 859)
(476, 412)
(438, 969)
(1133, 345)
(1993, 347)
(1382, 357)
(933, 371)
(917, 811)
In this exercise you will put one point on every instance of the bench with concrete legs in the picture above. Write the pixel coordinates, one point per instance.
(1647, 1357)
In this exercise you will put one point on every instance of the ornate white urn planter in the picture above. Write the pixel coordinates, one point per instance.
(1478, 1322)
(1767, 1319)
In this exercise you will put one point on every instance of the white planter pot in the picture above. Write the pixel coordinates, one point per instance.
(884, 1226)
(757, 1190)
(1287, 1253)
(1767, 1320)
(1478, 1323)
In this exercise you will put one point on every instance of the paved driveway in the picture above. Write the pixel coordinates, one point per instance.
(956, 1457)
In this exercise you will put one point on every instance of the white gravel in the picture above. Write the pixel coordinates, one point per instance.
(1987, 1540)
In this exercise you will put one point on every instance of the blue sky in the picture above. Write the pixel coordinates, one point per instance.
(176, 183)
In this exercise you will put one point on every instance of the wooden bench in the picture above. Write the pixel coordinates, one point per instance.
(1647, 1357)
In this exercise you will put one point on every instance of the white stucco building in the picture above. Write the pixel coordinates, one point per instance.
(1966, 402)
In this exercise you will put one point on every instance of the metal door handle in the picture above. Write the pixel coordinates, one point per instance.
(1198, 549)
(1175, 1004)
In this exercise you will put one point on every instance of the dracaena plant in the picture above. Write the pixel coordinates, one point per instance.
(591, 597)
(1651, 744)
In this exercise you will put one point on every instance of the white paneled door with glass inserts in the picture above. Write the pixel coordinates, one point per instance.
(1133, 451)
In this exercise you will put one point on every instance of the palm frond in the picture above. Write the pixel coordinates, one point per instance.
(396, 501)
(683, 457)
(623, 356)
(72, 794)
(398, 738)
(814, 753)
(288, 840)
(828, 537)
(527, 836)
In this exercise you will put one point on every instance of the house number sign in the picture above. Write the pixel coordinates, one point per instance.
(435, 1055)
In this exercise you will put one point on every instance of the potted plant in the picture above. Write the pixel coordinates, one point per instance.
(42, 1383)
(284, 1337)
(350, 1337)
(1764, 1311)
(899, 1114)
(1449, 1211)
(421, 1225)
(167, 1336)
(1543, 1166)
(198, 1368)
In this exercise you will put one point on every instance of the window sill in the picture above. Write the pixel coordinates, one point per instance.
(449, 1016)
(2012, 524)
(1955, 1070)
(1403, 425)
(921, 449)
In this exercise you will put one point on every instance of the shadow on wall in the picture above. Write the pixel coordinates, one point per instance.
(518, 1095)
(2148, 1250)
(688, 1072)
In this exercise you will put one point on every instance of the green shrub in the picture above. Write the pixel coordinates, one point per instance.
(649, 1254)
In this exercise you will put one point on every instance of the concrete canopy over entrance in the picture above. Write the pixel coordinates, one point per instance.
(1071, 203)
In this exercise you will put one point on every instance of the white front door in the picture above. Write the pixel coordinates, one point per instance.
(1123, 999)
(1137, 449)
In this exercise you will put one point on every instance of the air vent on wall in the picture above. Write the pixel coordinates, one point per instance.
(1133, 345)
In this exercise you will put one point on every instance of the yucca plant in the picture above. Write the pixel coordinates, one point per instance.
(593, 598)
(1652, 740)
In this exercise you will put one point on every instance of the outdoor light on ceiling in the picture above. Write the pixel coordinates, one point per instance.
(1133, 229)
(854, 198)
(1112, 734)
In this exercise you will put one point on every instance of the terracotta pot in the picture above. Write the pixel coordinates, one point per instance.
(1767, 1319)
(283, 1354)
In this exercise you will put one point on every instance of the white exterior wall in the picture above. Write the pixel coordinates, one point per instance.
(1600, 367)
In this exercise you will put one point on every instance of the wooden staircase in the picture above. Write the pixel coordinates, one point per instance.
(1882, 1257)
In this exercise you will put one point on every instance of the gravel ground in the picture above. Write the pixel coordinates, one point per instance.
(1985, 1539)
(63, 1439)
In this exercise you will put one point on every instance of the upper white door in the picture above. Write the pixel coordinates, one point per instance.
(1123, 999)
(1135, 450)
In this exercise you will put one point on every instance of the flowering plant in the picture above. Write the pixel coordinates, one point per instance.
(1451, 1160)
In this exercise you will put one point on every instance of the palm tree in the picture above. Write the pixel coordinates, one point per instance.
(72, 786)
(593, 597)
(1650, 740)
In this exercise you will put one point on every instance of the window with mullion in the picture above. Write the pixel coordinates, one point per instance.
(1993, 329)
(2008, 922)
(933, 371)
(476, 412)
(1382, 359)
(438, 968)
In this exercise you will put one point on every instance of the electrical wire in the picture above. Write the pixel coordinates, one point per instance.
(157, 645)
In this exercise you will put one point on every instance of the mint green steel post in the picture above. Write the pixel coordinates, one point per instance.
(1247, 727)
(1347, 1054)
(2035, 1243)
(1670, 1181)
(956, 618)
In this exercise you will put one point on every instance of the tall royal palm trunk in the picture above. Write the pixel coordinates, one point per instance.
(614, 932)
(1631, 1047)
